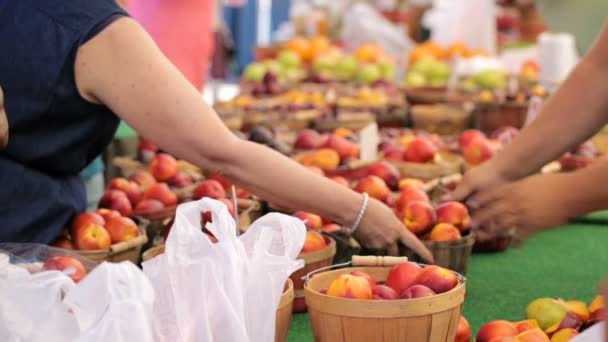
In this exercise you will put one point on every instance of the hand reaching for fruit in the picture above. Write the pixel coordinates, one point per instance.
(381, 230)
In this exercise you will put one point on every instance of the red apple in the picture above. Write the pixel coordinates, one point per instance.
(116, 200)
(122, 229)
(161, 193)
(63, 242)
(163, 167)
(420, 150)
(130, 188)
(417, 291)
(209, 188)
(72, 267)
(402, 276)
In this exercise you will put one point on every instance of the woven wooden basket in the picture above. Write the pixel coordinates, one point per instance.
(489, 117)
(453, 255)
(446, 164)
(445, 120)
(429, 319)
(284, 313)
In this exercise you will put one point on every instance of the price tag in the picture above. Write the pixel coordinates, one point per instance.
(368, 142)
(534, 108)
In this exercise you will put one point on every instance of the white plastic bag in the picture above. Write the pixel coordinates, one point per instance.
(112, 303)
(228, 291)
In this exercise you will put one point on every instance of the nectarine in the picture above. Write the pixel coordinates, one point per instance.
(418, 217)
(469, 135)
(420, 150)
(402, 276)
(383, 292)
(72, 267)
(375, 187)
(454, 213)
(116, 200)
(162, 193)
(311, 220)
(130, 188)
(86, 219)
(209, 188)
(445, 232)
(463, 332)
(148, 207)
(369, 278)
(387, 172)
(314, 242)
(163, 167)
(143, 178)
(478, 151)
(499, 328)
(121, 229)
(437, 278)
(408, 194)
(92, 236)
(417, 291)
(63, 242)
(350, 286)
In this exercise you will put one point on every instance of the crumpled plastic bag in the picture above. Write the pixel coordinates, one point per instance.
(228, 291)
(112, 303)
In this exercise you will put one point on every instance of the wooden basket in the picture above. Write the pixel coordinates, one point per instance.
(152, 252)
(445, 120)
(294, 121)
(284, 313)
(354, 121)
(491, 116)
(127, 250)
(333, 319)
(453, 255)
(495, 245)
(445, 165)
(313, 261)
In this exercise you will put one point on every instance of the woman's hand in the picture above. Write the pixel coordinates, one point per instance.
(529, 205)
(479, 179)
(381, 230)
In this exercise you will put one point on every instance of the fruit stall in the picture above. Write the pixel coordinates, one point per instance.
(401, 128)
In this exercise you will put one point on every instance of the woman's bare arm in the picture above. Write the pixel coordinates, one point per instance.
(122, 68)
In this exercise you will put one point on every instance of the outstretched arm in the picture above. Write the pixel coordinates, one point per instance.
(122, 68)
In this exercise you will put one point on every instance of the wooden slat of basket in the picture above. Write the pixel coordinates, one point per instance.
(447, 164)
(128, 165)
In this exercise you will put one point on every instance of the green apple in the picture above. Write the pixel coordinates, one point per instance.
(468, 84)
(289, 59)
(324, 64)
(387, 70)
(294, 74)
(415, 79)
(440, 70)
(369, 73)
(347, 67)
(424, 65)
(438, 81)
(273, 66)
(491, 79)
(547, 311)
(254, 72)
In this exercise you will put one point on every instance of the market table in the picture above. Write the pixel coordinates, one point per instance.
(568, 262)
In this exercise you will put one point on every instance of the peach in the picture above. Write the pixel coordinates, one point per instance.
(72, 267)
(340, 180)
(528, 324)
(417, 183)
(437, 278)
(324, 158)
(226, 184)
(420, 150)
(579, 309)
(564, 335)
(331, 227)
(375, 187)
(63, 242)
(469, 135)
(116, 200)
(495, 329)
(394, 153)
(130, 188)
(418, 217)
(162, 193)
(92, 236)
(180, 180)
(307, 140)
(463, 332)
(411, 194)
(343, 146)
(417, 291)
(532, 335)
(350, 286)
(143, 178)
(403, 276)
(386, 171)
(209, 188)
(314, 242)
(454, 213)
(163, 167)
(107, 213)
(369, 278)
(311, 221)
(383, 292)
(121, 229)
(445, 232)
(85, 219)
(478, 151)
(148, 207)
(505, 134)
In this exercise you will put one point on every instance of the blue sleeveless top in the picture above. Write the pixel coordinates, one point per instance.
(53, 132)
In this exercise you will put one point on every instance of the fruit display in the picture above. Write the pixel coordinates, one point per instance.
(547, 319)
(325, 151)
(71, 266)
(405, 281)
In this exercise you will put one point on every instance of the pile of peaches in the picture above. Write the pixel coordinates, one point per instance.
(326, 151)
(548, 320)
(315, 224)
(405, 145)
(405, 281)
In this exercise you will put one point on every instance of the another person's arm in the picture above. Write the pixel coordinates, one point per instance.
(573, 114)
(3, 122)
(122, 68)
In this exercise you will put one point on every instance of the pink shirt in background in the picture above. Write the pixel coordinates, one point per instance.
(183, 29)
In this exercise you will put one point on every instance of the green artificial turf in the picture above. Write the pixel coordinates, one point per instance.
(567, 262)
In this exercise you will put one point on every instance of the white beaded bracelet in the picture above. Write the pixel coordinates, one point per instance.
(361, 213)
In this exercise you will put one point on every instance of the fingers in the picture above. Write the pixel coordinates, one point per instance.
(462, 191)
(481, 199)
(410, 240)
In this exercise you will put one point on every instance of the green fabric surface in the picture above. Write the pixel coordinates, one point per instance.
(567, 262)
(124, 131)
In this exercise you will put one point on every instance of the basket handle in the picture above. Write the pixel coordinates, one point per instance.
(126, 245)
(373, 260)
